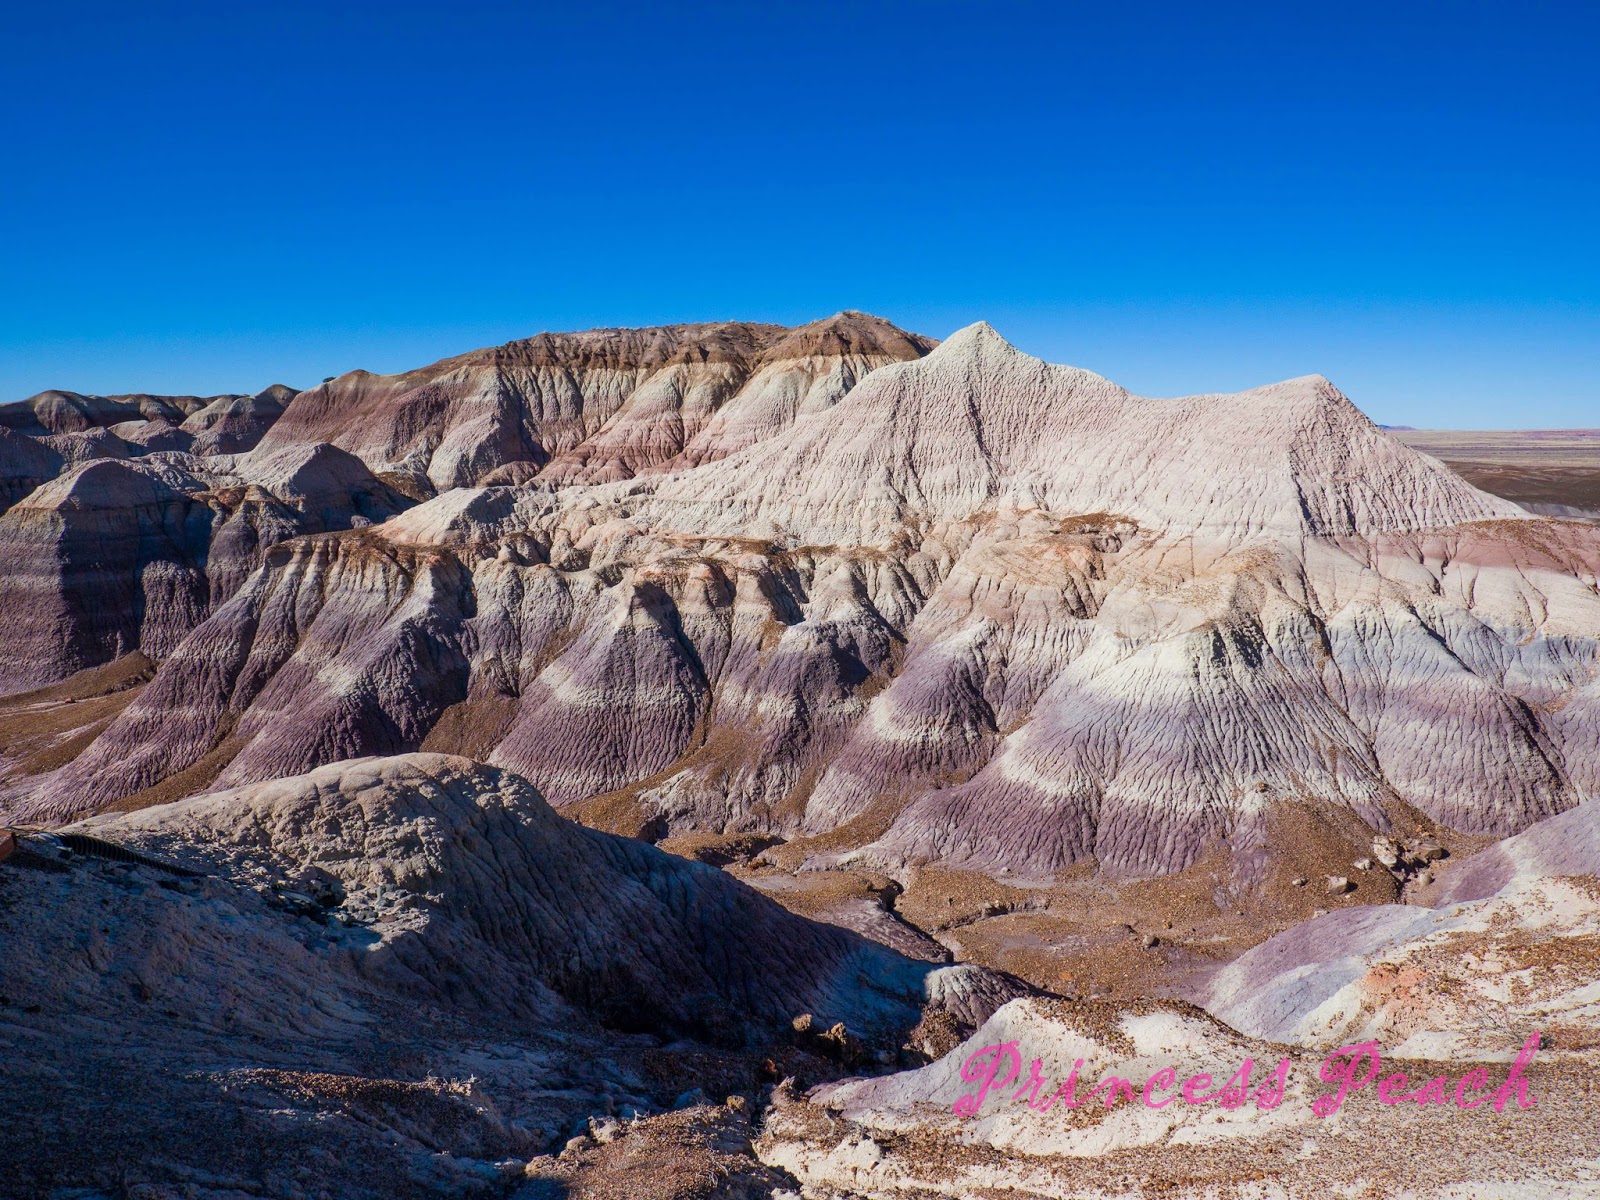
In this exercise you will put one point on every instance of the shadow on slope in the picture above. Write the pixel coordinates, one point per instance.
(385, 928)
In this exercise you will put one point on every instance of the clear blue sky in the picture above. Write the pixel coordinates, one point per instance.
(1185, 197)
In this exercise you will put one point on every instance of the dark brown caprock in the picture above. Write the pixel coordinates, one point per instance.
(8, 843)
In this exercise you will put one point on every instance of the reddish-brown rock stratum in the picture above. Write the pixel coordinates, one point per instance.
(564, 407)
(606, 404)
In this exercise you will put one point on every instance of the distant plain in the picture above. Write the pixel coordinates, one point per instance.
(1552, 471)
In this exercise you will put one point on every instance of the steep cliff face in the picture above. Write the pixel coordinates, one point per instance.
(84, 554)
(340, 648)
(981, 609)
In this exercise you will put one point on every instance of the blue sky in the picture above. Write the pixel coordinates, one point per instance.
(1186, 198)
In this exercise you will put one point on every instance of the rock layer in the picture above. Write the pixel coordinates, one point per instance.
(897, 1136)
(468, 865)
(604, 405)
(1507, 947)
(119, 555)
(986, 610)
(395, 978)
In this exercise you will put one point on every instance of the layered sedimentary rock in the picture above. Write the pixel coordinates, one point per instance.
(235, 424)
(985, 610)
(396, 977)
(1457, 982)
(466, 864)
(1566, 845)
(120, 497)
(124, 554)
(70, 412)
(25, 463)
(961, 625)
(28, 462)
(608, 404)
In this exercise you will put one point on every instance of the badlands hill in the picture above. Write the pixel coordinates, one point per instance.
(207, 486)
(400, 977)
(603, 405)
(986, 662)
(974, 609)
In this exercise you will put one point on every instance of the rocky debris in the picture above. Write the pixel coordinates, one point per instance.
(1338, 885)
(835, 1042)
(896, 1136)
(1421, 852)
(699, 1153)
(67, 847)
(1436, 978)
(721, 850)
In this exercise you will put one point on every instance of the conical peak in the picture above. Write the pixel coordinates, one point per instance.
(850, 332)
(980, 348)
(1313, 392)
(979, 337)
